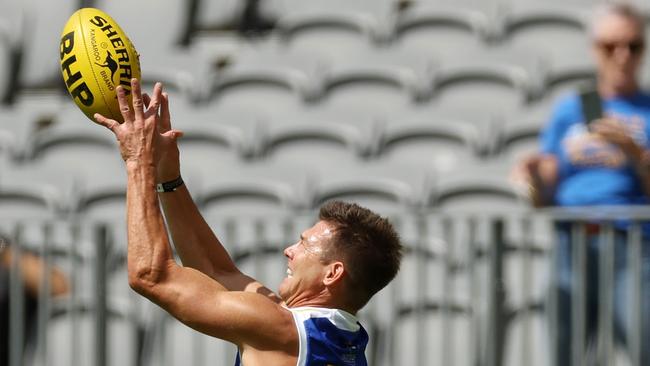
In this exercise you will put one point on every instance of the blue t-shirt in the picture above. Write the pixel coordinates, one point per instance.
(328, 337)
(592, 171)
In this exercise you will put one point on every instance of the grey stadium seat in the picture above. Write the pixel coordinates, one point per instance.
(162, 56)
(206, 146)
(78, 324)
(312, 143)
(74, 143)
(382, 187)
(29, 112)
(518, 137)
(437, 143)
(40, 38)
(366, 69)
(332, 31)
(169, 342)
(29, 200)
(479, 188)
(487, 80)
(267, 77)
(441, 28)
(555, 32)
(8, 58)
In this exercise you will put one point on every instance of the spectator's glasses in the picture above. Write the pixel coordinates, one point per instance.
(635, 47)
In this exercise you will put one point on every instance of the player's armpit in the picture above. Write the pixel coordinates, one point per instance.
(240, 317)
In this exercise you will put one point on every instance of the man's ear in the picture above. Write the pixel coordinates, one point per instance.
(335, 273)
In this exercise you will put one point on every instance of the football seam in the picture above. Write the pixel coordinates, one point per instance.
(99, 87)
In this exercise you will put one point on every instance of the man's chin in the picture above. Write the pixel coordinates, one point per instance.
(282, 289)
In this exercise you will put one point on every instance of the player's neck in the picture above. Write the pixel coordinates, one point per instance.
(322, 300)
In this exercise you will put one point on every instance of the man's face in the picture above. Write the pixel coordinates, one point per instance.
(618, 46)
(305, 269)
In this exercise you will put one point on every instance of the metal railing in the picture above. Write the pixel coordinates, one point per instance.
(473, 290)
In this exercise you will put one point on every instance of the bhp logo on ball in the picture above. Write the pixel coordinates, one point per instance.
(97, 57)
(80, 92)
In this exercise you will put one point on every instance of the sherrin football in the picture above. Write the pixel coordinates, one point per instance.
(96, 57)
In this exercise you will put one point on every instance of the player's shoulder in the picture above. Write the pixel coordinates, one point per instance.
(340, 318)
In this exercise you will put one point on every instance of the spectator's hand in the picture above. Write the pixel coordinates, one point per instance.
(614, 131)
(534, 177)
(525, 172)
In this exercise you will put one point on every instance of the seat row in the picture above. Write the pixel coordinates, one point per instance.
(264, 188)
(69, 137)
(192, 67)
(507, 82)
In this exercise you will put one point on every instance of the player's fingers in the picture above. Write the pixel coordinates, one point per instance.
(123, 102)
(154, 103)
(106, 122)
(176, 134)
(146, 99)
(165, 117)
(125, 109)
(138, 107)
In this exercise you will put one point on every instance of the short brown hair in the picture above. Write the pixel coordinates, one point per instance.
(367, 244)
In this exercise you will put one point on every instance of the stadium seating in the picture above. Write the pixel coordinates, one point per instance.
(416, 109)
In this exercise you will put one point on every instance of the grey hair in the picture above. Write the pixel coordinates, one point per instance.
(616, 7)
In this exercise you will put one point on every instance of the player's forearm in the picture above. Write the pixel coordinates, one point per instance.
(149, 253)
(200, 249)
(195, 242)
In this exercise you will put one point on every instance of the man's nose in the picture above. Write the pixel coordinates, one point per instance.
(288, 251)
(622, 54)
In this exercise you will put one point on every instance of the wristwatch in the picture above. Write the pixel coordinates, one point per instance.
(170, 186)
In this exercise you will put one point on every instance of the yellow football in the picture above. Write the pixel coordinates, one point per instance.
(96, 57)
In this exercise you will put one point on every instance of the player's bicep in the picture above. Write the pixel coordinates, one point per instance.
(235, 316)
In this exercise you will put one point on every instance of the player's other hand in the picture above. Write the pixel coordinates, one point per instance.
(168, 159)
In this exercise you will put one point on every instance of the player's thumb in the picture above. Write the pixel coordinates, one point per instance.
(174, 134)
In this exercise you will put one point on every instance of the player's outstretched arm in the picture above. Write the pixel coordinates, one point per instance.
(146, 140)
(195, 242)
(247, 319)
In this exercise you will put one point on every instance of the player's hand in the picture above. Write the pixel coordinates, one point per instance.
(139, 137)
(615, 132)
(168, 163)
